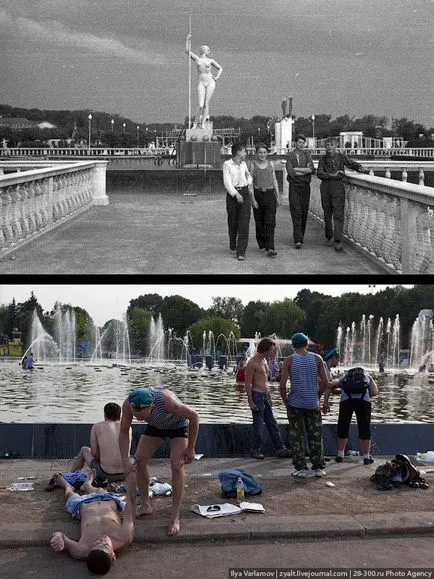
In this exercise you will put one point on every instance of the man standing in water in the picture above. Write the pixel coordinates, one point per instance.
(166, 417)
(258, 395)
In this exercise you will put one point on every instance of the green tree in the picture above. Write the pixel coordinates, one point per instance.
(151, 302)
(251, 318)
(282, 318)
(138, 326)
(229, 308)
(179, 314)
(217, 326)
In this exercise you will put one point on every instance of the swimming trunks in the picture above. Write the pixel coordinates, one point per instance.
(72, 505)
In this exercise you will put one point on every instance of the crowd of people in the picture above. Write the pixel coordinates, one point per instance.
(108, 520)
(255, 185)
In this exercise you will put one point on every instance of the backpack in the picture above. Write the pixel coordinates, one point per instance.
(355, 382)
(229, 479)
(396, 472)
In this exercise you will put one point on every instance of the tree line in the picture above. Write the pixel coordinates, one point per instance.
(312, 312)
(259, 127)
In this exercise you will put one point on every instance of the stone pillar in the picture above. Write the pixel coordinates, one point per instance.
(283, 132)
(99, 184)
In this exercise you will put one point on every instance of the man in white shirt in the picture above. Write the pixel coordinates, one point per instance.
(239, 186)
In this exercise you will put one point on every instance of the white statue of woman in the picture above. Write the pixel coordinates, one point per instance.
(206, 86)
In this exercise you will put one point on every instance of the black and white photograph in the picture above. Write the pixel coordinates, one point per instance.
(237, 138)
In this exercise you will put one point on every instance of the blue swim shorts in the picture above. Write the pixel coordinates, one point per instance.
(72, 505)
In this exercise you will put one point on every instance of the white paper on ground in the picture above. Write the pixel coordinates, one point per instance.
(226, 509)
(21, 487)
(198, 456)
(252, 507)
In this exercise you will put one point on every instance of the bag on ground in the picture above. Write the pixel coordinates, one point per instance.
(396, 472)
(229, 479)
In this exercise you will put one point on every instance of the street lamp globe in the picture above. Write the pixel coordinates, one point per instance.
(113, 124)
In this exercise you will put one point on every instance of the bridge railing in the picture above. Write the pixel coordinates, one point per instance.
(35, 201)
(392, 222)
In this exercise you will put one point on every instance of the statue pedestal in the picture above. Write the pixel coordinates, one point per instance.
(199, 149)
(198, 134)
(283, 132)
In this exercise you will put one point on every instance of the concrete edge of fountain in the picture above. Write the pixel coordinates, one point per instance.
(63, 440)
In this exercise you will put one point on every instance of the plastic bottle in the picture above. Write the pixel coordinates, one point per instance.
(240, 490)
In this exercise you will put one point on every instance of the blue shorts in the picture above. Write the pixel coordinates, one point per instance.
(72, 505)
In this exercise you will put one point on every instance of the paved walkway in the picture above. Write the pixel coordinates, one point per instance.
(146, 233)
(293, 508)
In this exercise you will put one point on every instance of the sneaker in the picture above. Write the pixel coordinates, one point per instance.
(298, 245)
(261, 249)
(339, 458)
(368, 460)
(271, 252)
(258, 455)
(241, 258)
(301, 473)
(339, 246)
(284, 453)
(319, 472)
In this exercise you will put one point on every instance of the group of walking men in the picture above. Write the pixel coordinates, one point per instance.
(245, 188)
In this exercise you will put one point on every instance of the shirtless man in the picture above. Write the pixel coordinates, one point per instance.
(259, 399)
(102, 531)
(166, 417)
(103, 455)
(206, 86)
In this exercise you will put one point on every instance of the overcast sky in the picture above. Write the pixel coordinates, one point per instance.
(353, 57)
(104, 302)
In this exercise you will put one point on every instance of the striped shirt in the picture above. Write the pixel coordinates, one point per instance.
(304, 381)
(162, 419)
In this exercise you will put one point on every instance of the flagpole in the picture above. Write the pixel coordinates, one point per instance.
(189, 73)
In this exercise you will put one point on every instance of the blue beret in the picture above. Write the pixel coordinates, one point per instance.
(141, 397)
(331, 354)
(299, 339)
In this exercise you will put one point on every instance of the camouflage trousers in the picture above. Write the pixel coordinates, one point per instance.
(307, 420)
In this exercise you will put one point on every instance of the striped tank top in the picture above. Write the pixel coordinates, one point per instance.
(304, 381)
(162, 419)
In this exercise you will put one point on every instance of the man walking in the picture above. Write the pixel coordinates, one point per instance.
(304, 368)
(331, 171)
(238, 184)
(258, 395)
(299, 167)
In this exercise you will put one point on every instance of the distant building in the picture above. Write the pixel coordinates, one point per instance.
(20, 124)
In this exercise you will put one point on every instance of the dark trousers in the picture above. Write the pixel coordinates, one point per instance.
(238, 221)
(333, 204)
(265, 217)
(299, 197)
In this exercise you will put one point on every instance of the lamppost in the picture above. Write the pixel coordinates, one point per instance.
(138, 129)
(113, 125)
(146, 136)
(90, 125)
(124, 125)
(313, 129)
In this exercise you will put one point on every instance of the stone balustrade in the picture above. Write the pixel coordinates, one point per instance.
(35, 201)
(392, 222)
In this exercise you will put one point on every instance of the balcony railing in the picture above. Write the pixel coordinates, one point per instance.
(35, 201)
(391, 222)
